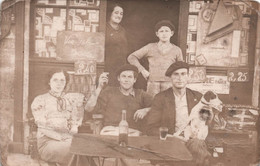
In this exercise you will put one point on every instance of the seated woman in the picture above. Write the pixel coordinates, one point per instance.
(57, 115)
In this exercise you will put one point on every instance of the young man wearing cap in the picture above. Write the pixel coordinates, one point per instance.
(112, 100)
(160, 56)
(172, 107)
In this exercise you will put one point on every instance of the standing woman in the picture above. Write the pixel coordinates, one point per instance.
(57, 115)
(116, 43)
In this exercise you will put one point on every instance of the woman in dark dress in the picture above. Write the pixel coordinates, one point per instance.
(116, 43)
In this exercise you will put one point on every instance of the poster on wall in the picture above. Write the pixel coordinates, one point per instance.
(72, 46)
(218, 84)
(221, 36)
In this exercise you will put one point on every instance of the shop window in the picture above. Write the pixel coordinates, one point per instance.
(52, 16)
(221, 48)
(215, 41)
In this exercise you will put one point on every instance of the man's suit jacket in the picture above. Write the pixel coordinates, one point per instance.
(163, 111)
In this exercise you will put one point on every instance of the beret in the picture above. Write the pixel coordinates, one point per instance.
(161, 23)
(175, 66)
(126, 67)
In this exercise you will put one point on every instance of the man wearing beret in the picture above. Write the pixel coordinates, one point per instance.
(160, 56)
(172, 107)
(112, 100)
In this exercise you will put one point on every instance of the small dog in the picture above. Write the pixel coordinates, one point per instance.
(196, 130)
(198, 127)
(201, 115)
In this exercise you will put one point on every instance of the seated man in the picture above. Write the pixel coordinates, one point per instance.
(112, 100)
(171, 108)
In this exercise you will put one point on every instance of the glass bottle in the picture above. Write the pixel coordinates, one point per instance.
(123, 130)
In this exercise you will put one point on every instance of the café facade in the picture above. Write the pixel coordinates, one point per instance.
(220, 39)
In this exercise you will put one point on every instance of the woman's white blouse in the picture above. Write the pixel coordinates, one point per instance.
(54, 122)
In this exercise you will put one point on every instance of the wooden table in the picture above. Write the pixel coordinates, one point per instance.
(143, 147)
(239, 147)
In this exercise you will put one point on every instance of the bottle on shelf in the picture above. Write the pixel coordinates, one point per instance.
(123, 130)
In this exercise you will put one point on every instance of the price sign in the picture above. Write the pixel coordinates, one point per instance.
(197, 74)
(85, 67)
(238, 75)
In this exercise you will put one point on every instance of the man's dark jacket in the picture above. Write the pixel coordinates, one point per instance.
(163, 111)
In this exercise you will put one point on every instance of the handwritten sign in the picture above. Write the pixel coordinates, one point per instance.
(238, 75)
(197, 74)
(80, 45)
(218, 84)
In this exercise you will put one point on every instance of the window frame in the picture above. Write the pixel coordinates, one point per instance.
(101, 28)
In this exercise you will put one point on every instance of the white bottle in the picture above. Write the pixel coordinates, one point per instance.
(123, 130)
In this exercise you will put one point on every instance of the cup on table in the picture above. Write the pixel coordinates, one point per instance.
(163, 133)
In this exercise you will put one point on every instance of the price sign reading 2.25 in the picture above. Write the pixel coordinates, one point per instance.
(238, 75)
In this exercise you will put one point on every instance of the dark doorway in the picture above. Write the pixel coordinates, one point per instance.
(140, 17)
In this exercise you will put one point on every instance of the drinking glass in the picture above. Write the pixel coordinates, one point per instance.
(163, 133)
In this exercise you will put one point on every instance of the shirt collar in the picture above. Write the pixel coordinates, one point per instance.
(160, 44)
(132, 93)
(56, 95)
(179, 97)
(119, 27)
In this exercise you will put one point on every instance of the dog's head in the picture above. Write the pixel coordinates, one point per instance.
(211, 99)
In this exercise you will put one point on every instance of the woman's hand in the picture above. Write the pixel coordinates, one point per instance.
(145, 74)
(103, 79)
(74, 130)
(66, 137)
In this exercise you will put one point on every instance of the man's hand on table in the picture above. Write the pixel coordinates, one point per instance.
(177, 136)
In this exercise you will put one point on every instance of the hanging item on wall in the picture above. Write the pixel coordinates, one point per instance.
(218, 84)
(220, 20)
(72, 46)
(240, 117)
(7, 18)
(195, 6)
(224, 21)
(220, 35)
(201, 59)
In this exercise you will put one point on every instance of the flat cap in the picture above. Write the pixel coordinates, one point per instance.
(175, 66)
(126, 67)
(161, 23)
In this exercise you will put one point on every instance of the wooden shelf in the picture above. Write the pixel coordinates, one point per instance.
(49, 61)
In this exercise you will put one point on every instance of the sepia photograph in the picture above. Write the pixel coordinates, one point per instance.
(129, 82)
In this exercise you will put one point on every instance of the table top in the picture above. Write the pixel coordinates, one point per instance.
(142, 147)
